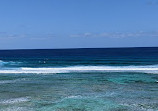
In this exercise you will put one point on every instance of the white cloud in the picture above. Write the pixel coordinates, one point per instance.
(4, 36)
(118, 34)
(11, 36)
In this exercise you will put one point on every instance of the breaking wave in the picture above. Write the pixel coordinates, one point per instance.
(8, 63)
(145, 69)
(2, 62)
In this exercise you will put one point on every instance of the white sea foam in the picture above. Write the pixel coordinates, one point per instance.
(11, 81)
(73, 97)
(16, 108)
(146, 69)
(15, 100)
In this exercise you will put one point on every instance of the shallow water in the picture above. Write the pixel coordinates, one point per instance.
(79, 91)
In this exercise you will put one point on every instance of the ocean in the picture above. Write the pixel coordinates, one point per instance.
(91, 79)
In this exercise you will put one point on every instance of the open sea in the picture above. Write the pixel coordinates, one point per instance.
(95, 79)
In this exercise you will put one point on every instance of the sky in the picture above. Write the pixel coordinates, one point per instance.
(42, 24)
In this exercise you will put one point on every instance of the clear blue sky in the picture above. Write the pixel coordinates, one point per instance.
(78, 23)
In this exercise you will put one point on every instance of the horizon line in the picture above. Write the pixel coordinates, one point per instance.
(79, 48)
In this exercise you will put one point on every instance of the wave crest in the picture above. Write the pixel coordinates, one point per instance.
(8, 63)
(146, 69)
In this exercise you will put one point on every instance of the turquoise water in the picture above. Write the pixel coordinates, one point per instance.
(79, 82)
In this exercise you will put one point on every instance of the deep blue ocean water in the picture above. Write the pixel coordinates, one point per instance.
(97, 79)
